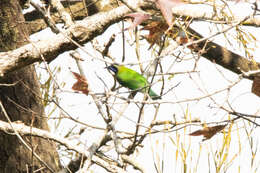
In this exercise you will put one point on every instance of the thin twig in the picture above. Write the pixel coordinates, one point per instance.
(21, 139)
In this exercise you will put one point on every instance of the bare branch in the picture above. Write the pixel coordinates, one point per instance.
(27, 130)
(207, 12)
(134, 163)
(56, 4)
(21, 139)
(50, 48)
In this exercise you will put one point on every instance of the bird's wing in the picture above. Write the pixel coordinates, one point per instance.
(131, 79)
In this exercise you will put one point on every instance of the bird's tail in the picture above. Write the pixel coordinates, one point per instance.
(153, 95)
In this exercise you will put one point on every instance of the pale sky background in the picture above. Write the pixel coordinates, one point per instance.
(159, 146)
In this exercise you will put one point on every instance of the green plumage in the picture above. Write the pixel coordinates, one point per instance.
(132, 80)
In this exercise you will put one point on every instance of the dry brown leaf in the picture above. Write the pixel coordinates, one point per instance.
(156, 30)
(208, 132)
(256, 86)
(81, 84)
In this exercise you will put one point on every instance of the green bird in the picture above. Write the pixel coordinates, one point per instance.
(132, 80)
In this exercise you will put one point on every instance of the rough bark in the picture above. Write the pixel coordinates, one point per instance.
(21, 101)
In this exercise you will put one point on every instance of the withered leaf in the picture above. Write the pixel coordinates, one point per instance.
(156, 30)
(81, 84)
(256, 86)
(208, 132)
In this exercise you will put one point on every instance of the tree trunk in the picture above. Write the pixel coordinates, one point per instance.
(22, 101)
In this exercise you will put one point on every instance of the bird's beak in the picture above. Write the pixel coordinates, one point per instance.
(108, 67)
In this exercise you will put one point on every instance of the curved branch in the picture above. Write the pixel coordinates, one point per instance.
(27, 130)
(50, 48)
(207, 12)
